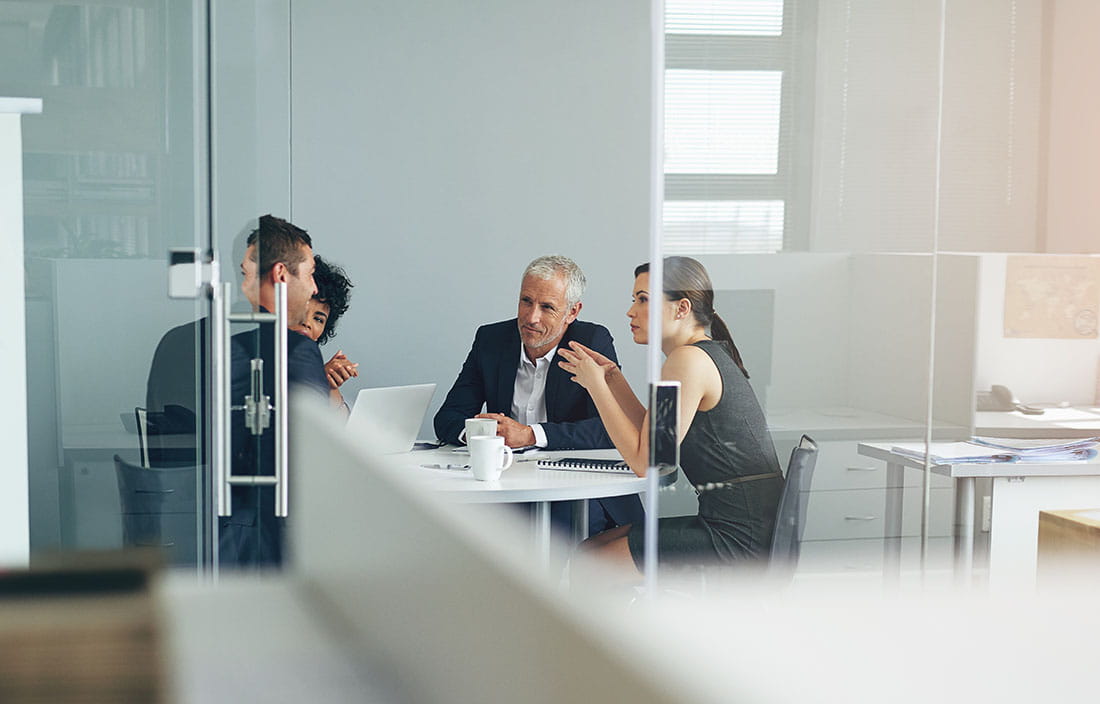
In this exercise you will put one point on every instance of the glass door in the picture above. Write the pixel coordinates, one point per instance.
(143, 162)
(115, 173)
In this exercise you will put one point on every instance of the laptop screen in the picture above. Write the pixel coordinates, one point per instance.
(388, 418)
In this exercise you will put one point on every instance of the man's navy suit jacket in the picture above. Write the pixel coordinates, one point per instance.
(488, 377)
(252, 536)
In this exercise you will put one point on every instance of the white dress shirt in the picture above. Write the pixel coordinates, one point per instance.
(529, 394)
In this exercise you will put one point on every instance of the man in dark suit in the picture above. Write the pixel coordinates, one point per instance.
(512, 370)
(278, 252)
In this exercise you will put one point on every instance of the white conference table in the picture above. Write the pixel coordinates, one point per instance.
(523, 482)
(1020, 490)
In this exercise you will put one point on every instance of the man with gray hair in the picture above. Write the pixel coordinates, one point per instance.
(512, 371)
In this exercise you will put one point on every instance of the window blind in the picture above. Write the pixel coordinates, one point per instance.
(729, 125)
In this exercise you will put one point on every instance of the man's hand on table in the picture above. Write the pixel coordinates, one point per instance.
(515, 434)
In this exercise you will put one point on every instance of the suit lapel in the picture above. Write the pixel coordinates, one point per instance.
(556, 380)
(506, 369)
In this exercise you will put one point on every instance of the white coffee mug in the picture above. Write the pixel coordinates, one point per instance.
(489, 456)
(478, 426)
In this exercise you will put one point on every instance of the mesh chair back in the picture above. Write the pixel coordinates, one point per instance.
(790, 520)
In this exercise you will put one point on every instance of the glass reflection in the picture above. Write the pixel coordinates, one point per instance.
(726, 452)
(110, 177)
(824, 260)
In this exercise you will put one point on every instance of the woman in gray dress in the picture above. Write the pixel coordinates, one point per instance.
(726, 451)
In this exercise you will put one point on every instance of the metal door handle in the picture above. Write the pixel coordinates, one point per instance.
(220, 415)
(281, 449)
(861, 518)
(257, 405)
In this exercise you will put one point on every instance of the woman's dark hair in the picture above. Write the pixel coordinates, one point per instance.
(685, 277)
(333, 289)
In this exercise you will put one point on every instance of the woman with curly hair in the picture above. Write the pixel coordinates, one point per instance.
(325, 308)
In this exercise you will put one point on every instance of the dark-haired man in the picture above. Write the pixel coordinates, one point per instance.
(278, 252)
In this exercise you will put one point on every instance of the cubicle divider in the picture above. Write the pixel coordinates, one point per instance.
(454, 605)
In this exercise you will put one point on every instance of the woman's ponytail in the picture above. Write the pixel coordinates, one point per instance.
(721, 333)
(685, 277)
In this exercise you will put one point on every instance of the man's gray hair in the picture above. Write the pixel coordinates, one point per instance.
(553, 265)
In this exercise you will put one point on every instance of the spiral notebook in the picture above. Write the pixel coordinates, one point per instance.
(580, 464)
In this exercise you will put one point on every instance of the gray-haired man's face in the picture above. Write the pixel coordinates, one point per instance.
(544, 313)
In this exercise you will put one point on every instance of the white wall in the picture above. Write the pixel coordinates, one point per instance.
(438, 147)
(891, 313)
(809, 365)
(1037, 370)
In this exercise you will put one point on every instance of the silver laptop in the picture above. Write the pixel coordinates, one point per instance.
(388, 418)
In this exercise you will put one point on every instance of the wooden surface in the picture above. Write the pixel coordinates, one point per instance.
(80, 634)
(1069, 534)
(1069, 547)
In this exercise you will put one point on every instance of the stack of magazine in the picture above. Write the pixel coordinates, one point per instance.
(989, 450)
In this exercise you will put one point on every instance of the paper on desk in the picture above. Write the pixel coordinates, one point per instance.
(953, 452)
(1036, 447)
(985, 451)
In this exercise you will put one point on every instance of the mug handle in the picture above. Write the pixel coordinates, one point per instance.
(509, 456)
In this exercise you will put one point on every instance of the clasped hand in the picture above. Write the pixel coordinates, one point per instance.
(515, 434)
(339, 369)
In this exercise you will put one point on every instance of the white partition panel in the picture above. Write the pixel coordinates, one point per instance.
(14, 514)
(449, 601)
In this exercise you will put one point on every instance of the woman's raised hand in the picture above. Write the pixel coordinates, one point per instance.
(586, 365)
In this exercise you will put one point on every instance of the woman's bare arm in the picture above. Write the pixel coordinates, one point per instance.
(688, 365)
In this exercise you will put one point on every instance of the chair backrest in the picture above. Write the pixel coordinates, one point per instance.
(158, 508)
(790, 522)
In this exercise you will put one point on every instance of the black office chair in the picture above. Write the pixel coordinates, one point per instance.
(790, 524)
(159, 509)
(790, 520)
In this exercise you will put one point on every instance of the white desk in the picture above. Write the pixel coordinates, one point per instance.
(1020, 491)
(1081, 422)
(523, 482)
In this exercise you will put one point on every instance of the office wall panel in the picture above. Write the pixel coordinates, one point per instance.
(437, 148)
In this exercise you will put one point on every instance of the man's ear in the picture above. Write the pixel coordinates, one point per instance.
(279, 273)
(573, 312)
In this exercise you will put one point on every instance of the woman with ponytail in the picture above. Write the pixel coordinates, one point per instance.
(725, 449)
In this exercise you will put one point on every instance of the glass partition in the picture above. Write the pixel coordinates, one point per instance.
(890, 204)
(891, 207)
(1017, 290)
(802, 159)
(115, 172)
(139, 151)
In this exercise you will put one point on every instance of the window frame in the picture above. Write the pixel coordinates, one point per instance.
(792, 52)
